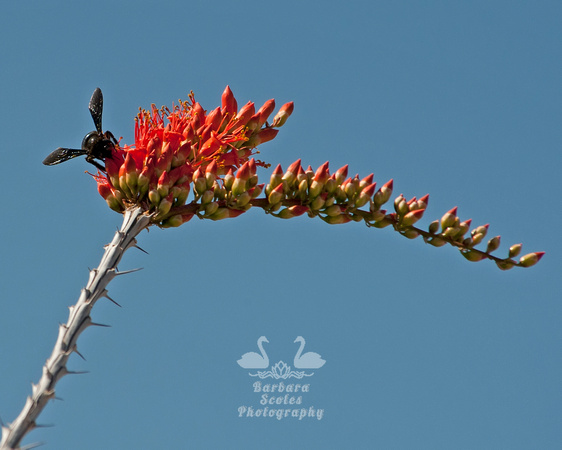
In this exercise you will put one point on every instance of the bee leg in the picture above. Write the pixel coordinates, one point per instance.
(109, 135)
(91, 160)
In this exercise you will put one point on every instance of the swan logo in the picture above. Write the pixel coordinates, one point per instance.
(281, 400)
(281, 370)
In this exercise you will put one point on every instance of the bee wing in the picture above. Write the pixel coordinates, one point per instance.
(96, 108)
(61, 155)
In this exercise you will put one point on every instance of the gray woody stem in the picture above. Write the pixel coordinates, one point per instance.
(78, 320)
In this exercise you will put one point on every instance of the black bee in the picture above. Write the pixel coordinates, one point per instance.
(95, 145)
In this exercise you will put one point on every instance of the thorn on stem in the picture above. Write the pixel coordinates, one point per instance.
(75, 350)
(112, 301)
(125, 272)
(94, 324)
(77, 372)
(142, 250)
(34, 445)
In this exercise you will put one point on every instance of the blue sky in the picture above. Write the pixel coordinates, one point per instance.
(461, 100)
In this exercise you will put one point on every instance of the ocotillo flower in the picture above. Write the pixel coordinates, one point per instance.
(173, 146)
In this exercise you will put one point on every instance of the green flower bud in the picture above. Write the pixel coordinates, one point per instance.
(514, 250)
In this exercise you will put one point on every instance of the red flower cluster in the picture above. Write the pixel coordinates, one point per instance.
(157, 171)
(212, 152)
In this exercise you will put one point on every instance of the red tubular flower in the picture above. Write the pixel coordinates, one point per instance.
(172, 145)
(245, 114)
(263, 136)
(229, 104)
(264, 112)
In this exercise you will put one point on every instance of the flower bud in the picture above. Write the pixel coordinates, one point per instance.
(477, 238)
(449, 218)
(131, 174)
(383, 194)
(473, 256)
(199, 182)
(422, 202)
(228, 180)
(437, 242)
(383, 223)
(154, 197)
(464, 226)
(275, 179)
(317, 204)
(292, 211)
(245, 113)
(265, 135)
(207, 196)
(433, 227)
(240, 182)
(365, 195)
(275, 207)
(341, 174)
(229, 104)
(493, 244)
(214, 118)
(163, 186)
(211, 173)
(256, 191)
(165, 205)
(104, 190)
(530, 259)
(276, 195)
(243, 199)
(410, 234)
(292, 171)
(336, 220)
(412, 217)
(514, 250)
(315, 188)
(330, 185)
(334, 210)
(220, 192)
(400, 205)
(181, 193)
(505, 264)
(482, 229)
(238, 187)
(220, 214)
(377, 216)
(174, 221)
(366, 181)
(123, 182)
(322, 173)
(197, 115)
(143, 181)
(303, 188)
(350, 187)
(264, 112)
(211, 208)
(283, 114)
